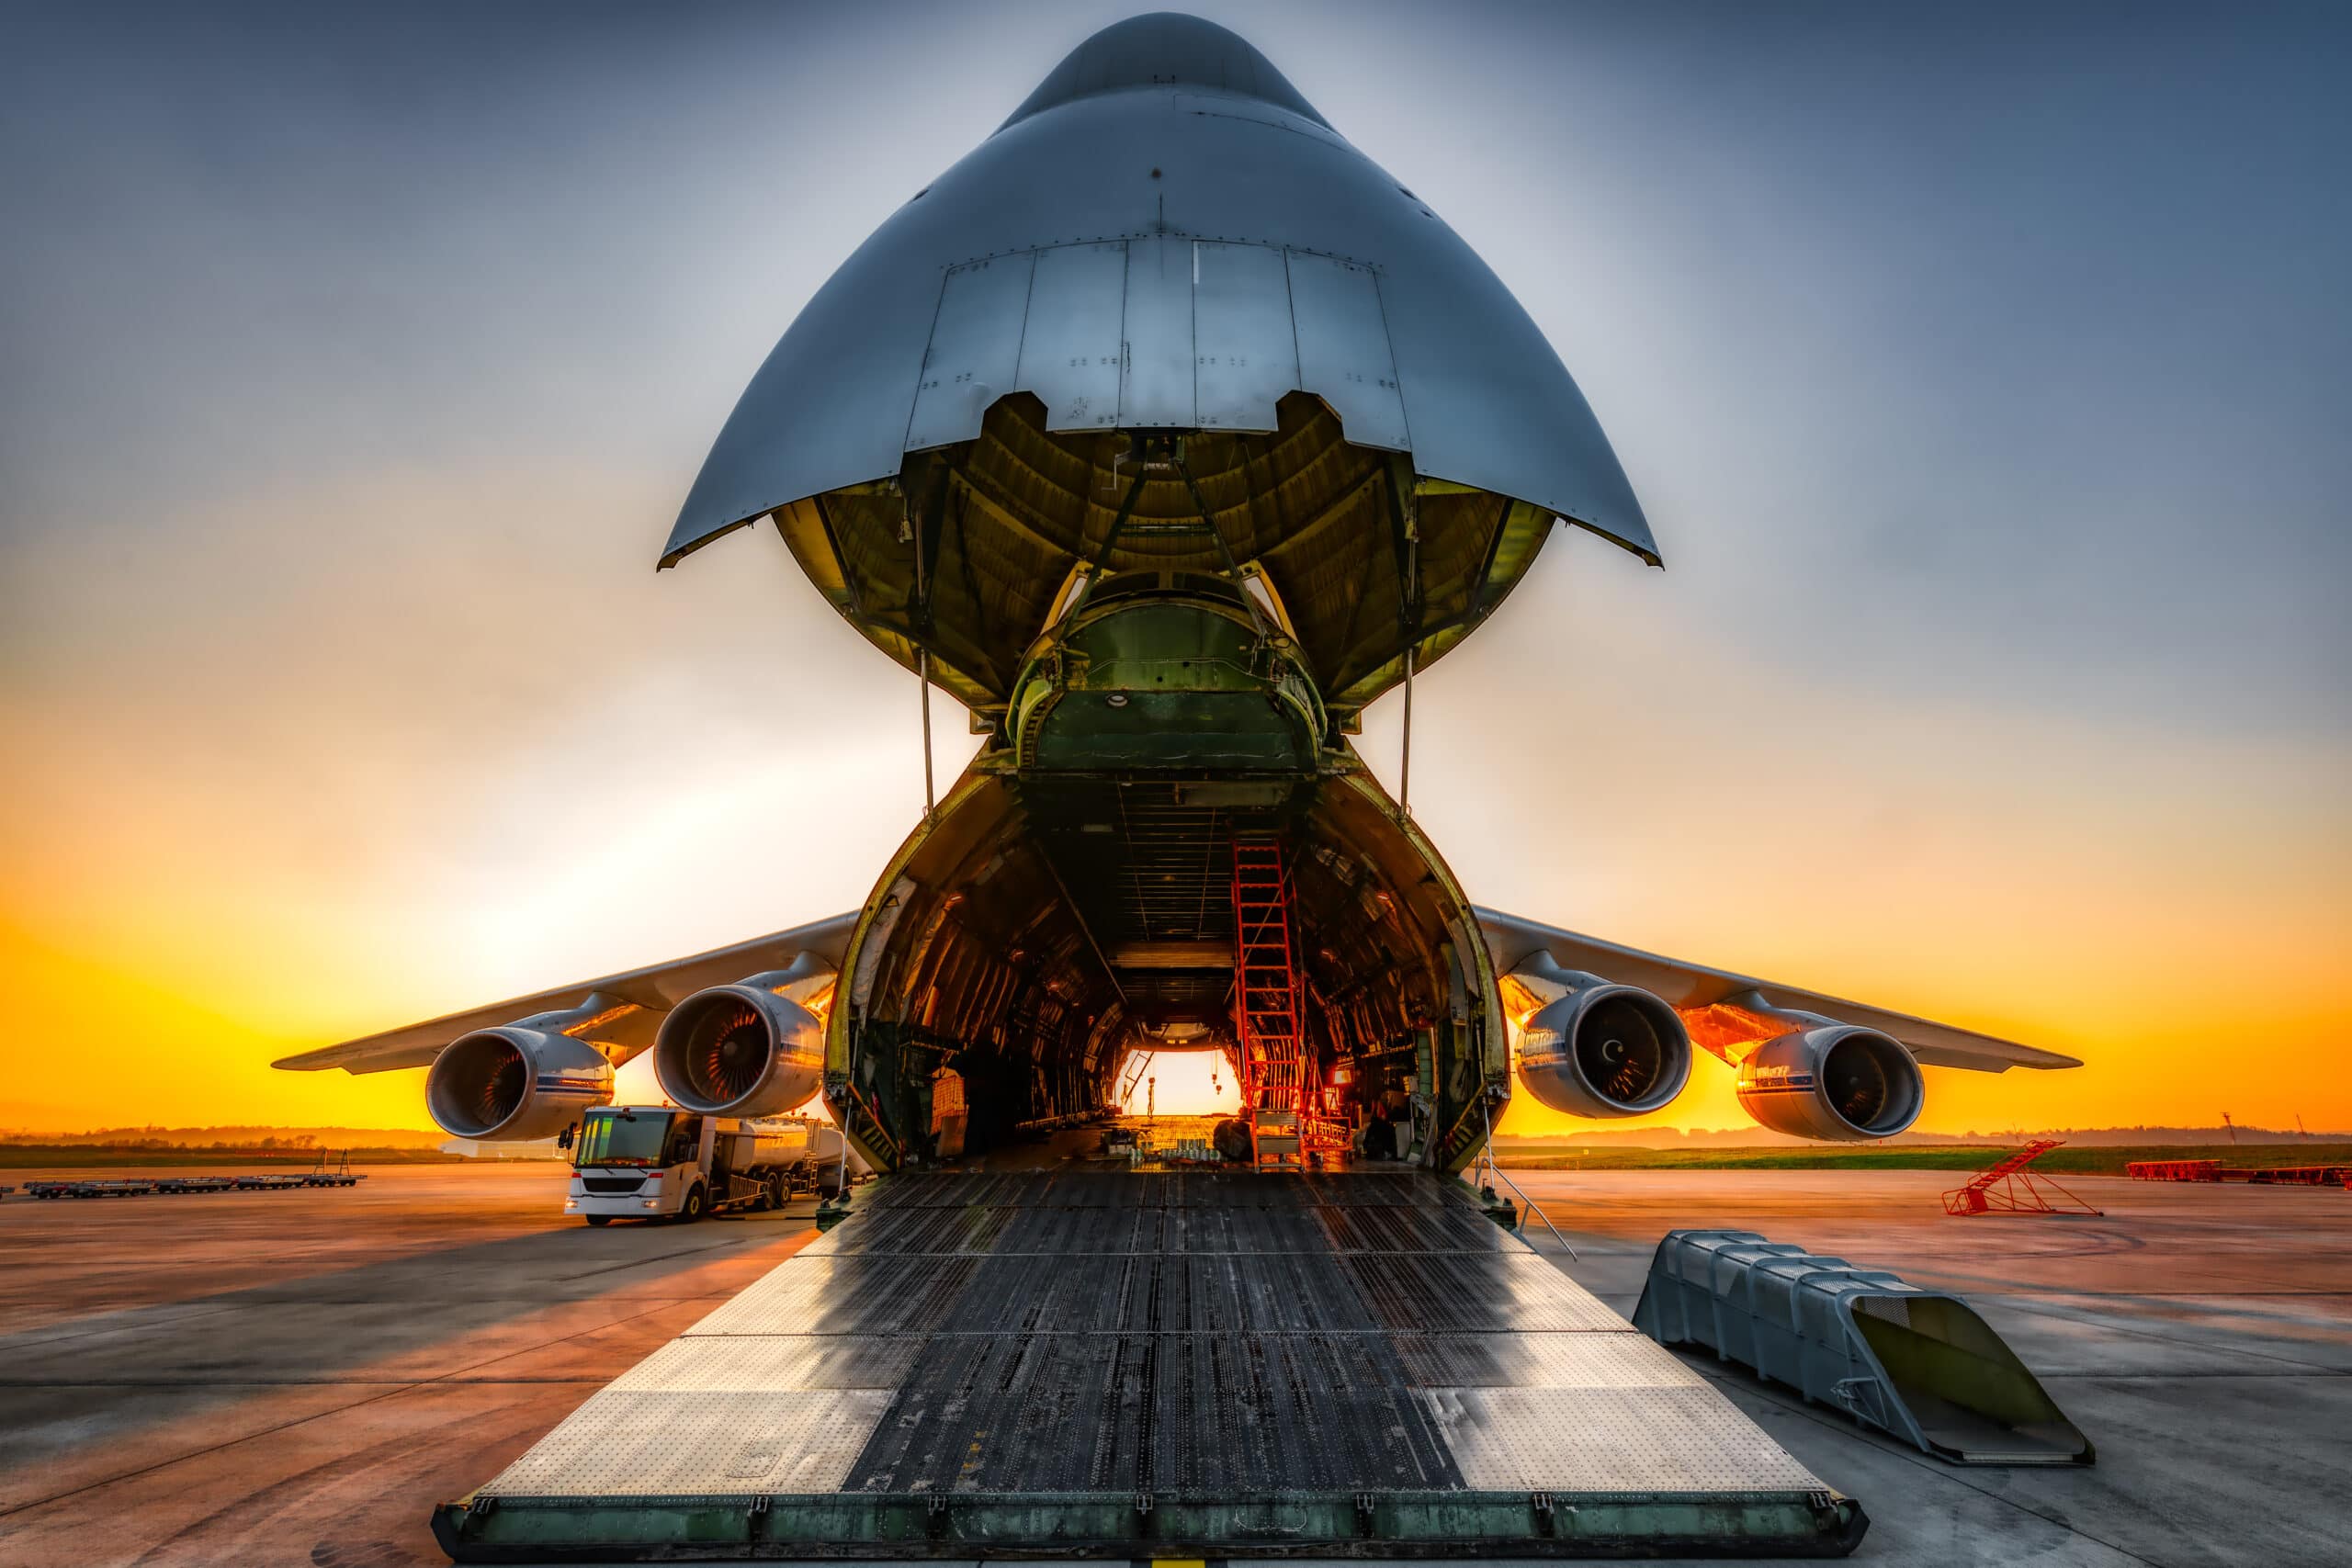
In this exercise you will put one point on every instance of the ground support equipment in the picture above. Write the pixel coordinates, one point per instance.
(181, 1185)
(2174, 1169)
(2255, 1176)
(2011, 1186)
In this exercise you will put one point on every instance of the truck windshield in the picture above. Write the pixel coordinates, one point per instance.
(621, 1137)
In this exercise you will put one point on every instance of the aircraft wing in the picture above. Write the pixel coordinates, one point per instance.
(639, 999)
(1719, 1006)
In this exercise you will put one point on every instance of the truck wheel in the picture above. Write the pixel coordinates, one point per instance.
(779, 1190)
(691, 1211)
(599, 1219)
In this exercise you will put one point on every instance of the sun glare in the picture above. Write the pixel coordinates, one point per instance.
(1179, 1083)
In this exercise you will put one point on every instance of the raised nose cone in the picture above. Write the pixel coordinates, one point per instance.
(1164, 242)
(1165, 49)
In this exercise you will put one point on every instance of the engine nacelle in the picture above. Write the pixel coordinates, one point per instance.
(515, 1083)
(1837, 1081)
(1599, 1049)
(742, 1050)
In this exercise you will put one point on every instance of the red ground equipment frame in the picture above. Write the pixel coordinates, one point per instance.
(2174, 1170)
(2011, 1186)
(2258, 1176)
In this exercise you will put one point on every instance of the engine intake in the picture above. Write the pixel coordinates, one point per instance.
(515, 1083)
(1835, 1081)
(742, 1050)
(1599, 1049)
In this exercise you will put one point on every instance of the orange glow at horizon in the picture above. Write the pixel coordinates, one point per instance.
(2186, 997)
(282, 853)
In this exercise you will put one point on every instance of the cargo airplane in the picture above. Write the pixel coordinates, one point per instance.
(1166, 431)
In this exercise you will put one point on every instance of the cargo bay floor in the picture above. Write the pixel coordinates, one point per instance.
(295, 1379)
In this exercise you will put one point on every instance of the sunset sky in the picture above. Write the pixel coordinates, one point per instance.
(1986, 376)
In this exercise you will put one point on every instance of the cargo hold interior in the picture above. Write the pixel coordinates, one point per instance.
(1042, 927)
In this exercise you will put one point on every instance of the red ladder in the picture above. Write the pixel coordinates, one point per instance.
(1266, 995)
(2008, 1186)
(1265, 978)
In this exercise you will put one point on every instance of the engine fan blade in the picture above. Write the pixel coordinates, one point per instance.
(502, 1090)
(1857, 1085)
(734, 1055)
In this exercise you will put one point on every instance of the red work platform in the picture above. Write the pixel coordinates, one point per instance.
(2293, 1175)
(2010, 1186)
(2174, 1170)
(2258, 1176)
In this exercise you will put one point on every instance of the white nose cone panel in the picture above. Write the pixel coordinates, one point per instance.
(1245, 340)
(1156, 334)
(974, 355)
(1164, 236)
(1079, 305)
(1344, 351)
(1160, 334)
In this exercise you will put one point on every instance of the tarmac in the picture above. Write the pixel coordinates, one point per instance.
(2200, 1336)
(297, 1377)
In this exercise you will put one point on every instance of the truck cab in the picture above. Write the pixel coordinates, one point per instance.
(645, 1162)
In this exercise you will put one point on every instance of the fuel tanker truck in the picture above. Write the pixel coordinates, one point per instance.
(653, 1162)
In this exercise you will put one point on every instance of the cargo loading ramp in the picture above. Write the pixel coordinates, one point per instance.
(1113, 1364)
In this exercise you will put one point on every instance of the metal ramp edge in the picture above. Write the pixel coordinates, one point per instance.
(965, 1526)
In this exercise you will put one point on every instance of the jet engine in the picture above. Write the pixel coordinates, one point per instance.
(747, 1049)
(1599, 1049)
(515, 1082)
(1837, 1081)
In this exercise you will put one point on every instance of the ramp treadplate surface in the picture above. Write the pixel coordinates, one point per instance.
(1117, 1364)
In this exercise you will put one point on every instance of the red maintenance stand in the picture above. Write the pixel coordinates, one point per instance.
(2011, 1186)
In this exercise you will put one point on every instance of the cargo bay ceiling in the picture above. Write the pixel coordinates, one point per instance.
(970, 551)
